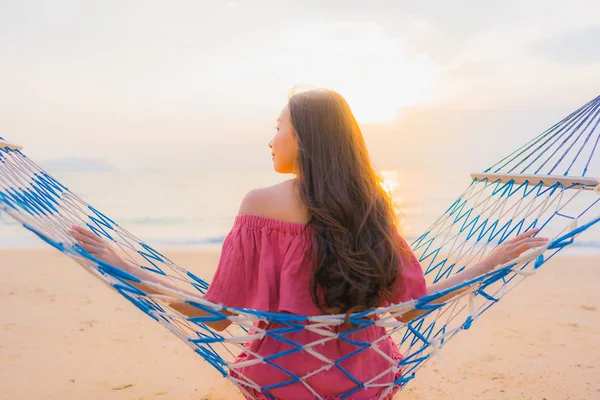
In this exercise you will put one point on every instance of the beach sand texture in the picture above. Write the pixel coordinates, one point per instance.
(65, 335)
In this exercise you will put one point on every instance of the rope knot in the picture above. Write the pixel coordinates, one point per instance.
(468, 322)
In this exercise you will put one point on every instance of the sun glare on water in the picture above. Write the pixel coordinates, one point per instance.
(393, 183)
(390, 183)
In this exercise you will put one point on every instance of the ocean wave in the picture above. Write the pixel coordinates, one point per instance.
(159, 221)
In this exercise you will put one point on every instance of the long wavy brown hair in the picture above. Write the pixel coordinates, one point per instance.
(356, 249)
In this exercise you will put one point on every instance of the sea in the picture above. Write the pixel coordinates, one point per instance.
(195, 211)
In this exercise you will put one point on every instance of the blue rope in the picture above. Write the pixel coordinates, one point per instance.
(556, 138)
(543, 147)
(588, 116)
(521, 150)
(591, 132)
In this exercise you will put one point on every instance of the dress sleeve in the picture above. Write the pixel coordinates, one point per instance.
(410, 284)
(239, 280)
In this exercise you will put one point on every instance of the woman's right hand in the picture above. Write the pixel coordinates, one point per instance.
(512, 249)
(97, 247)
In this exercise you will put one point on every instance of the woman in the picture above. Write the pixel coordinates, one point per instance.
(324, 242)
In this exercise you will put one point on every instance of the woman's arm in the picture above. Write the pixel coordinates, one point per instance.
(102, 250)
(500, 255)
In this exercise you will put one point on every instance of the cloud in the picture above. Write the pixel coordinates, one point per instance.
(578, 45)
(79, 77)
(504, 62)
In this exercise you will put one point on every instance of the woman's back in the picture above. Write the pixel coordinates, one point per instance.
(266, 264)
(281, 202)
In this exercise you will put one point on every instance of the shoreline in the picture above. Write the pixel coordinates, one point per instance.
(584, 249)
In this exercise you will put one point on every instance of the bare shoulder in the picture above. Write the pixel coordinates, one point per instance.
(280, 201)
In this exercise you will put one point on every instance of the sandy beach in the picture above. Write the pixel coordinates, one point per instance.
(65, 335)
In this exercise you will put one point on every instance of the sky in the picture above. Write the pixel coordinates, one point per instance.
(197, 85)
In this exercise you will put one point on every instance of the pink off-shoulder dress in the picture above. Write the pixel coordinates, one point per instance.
(266, 264)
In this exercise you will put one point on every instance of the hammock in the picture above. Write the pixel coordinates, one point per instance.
(542, 184)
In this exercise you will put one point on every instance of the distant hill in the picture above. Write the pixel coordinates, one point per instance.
(74, 164)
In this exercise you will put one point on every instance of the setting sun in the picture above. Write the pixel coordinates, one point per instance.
(361, 62)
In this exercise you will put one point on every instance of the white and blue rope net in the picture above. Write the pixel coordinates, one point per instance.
(550, 183)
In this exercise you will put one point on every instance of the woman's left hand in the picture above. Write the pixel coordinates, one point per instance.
(512, 249)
